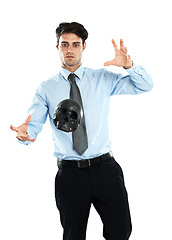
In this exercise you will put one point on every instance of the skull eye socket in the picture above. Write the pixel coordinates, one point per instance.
(63, 111)
(74, 115)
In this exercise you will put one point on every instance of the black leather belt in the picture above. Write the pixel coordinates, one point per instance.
(84, 163)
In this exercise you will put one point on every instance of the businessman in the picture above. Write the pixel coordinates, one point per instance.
(87, 171)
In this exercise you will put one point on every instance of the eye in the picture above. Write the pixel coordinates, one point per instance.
(64, 44)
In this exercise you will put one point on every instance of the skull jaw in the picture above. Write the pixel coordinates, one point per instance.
(66, 127)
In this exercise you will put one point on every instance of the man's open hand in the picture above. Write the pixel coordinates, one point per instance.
(22, 134)
(122, 59)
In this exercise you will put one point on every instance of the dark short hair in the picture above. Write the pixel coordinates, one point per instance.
(73, 27)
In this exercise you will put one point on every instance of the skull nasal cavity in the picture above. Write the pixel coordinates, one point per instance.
(66, 118)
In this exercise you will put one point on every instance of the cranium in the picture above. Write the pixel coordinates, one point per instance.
(67, 115)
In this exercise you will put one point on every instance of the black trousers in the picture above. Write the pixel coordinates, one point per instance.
(101, 185)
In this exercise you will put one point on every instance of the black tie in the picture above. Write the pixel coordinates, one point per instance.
(80, 142)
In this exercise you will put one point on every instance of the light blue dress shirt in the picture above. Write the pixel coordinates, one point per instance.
(96, 87)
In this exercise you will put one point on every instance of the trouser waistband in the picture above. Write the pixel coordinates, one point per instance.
(84, 163)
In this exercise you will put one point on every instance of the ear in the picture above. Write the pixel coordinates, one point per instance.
(57, 45)
(84, 47)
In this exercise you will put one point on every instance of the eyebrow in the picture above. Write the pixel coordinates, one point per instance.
(73, 42)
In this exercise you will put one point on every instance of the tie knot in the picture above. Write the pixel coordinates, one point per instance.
(71, 78)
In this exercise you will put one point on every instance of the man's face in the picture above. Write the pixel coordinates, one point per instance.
(70, 48)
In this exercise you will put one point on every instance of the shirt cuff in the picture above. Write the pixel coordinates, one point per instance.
(135, 69)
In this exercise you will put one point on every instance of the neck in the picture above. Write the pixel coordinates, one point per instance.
(71, 68)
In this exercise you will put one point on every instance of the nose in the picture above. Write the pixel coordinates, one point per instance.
(70, 50)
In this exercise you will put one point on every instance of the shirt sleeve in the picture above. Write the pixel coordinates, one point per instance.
(38, 112)
(138, 81)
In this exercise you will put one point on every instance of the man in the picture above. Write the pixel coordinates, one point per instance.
(91, 175)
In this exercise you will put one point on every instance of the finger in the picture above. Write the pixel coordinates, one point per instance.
(128, 58)
(114, 44)
(25, 137)
(21, 136)
(31, 139)
(109, 63)
(28, 138)
(28, 120)
(13, 128)
(125, 50)
(121, 44)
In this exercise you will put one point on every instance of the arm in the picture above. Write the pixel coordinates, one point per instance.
(137, 81)
(28, 131)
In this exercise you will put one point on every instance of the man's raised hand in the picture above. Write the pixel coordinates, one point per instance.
(122, 59)
(22, 134)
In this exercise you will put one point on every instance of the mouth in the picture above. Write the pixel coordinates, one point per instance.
(70, 57)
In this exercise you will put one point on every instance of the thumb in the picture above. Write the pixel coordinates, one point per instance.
(108, 63)
(28, 119)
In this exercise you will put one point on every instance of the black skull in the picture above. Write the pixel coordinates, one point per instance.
(67, 115)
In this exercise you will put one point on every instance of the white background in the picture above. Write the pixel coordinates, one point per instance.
(140, 126)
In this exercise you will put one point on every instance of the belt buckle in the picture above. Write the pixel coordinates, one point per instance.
(79, 163)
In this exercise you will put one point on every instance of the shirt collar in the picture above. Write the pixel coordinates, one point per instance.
(79, 72)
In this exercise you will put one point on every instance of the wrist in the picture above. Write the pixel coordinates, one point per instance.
(129, 65)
